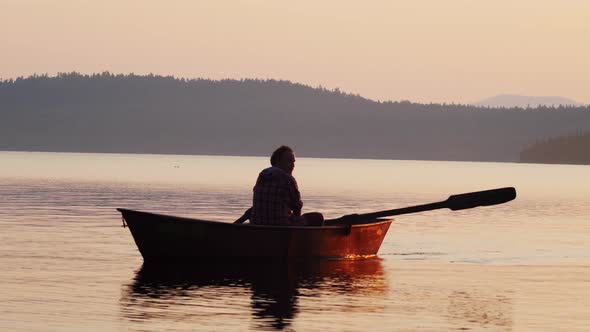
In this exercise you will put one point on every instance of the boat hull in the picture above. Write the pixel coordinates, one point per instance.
(169, 238)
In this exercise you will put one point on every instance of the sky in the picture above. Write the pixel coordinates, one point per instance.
(419, 50)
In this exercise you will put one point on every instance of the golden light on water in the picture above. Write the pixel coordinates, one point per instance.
(498, 268)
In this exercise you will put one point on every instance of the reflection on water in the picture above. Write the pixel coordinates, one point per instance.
(163, 292)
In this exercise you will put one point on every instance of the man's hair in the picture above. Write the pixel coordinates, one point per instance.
(276, 156)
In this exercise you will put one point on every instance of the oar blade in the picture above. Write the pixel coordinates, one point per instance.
(481, 198)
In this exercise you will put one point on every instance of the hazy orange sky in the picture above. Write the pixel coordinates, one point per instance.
(421, 50)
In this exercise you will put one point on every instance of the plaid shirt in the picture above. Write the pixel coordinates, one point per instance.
(276, 198)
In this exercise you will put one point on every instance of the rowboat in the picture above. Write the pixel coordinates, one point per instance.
(164, 238)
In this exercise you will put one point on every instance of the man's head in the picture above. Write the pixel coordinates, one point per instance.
(283, 158)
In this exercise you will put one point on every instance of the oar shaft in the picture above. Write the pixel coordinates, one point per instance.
(409, 209)
(386, 213)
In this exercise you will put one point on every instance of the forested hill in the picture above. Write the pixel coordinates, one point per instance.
(154, 114)
(571, 149)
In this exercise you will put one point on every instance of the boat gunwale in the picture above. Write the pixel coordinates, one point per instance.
(378, 221)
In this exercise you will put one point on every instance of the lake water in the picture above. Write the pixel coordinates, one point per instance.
(68, 265)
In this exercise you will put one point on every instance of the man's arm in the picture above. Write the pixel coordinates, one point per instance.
(295, 198)
(244, 217)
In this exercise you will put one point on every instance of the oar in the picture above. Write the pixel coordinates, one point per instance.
(454, 202)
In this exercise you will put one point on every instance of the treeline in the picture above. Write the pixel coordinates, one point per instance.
(154, 114)
(73, 87)
(571, 149)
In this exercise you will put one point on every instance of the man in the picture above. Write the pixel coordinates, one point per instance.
(276, 199)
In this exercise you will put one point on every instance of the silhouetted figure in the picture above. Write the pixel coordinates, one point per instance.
(277, 200)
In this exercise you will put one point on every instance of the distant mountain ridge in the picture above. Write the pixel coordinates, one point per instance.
(251, 117)
(511, 100)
